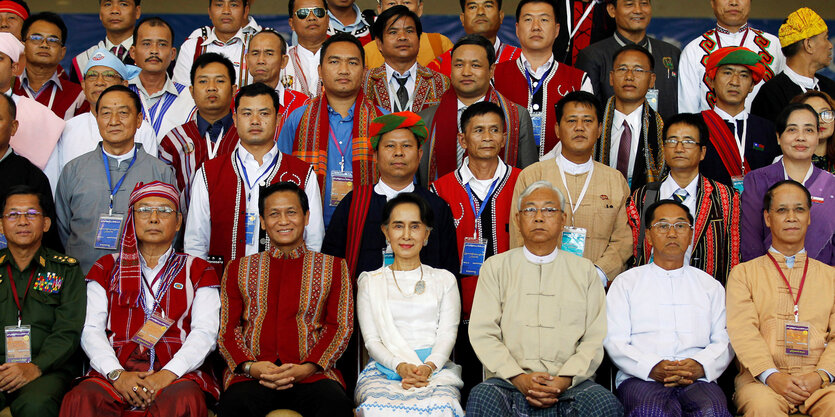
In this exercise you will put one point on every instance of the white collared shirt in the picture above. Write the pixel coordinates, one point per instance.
(806, 178)
(382, 188)
(232, 49)
(120, 158)
(127, 43)
(540, 260)
(310, 66)
(394, 85)
(543, 69)
(805, 83)
(635, 122)
(165, 118)
(571, 168)
(199, 225)
(200, 341)
(480, 187)
(668, 188)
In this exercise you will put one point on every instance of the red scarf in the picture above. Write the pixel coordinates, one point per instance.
(725, 143)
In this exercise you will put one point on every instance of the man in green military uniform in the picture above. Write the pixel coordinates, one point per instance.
(42, 308)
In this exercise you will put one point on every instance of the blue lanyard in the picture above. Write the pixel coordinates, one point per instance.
(246, 177)
(486, 199)
(113, 191)
(530, 88)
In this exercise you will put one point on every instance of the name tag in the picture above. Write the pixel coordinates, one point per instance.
(251, 221)
(108, 231)
(472, 257)
(797, 338)
(652, 98)
(152, 330)
(574, 240)
(342, 182)
(18, 344)
(737, 182)
(388, 257)
(536, 119)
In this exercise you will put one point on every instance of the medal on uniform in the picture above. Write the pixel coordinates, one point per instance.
(152, 330)
(108, 231)
(18, 343)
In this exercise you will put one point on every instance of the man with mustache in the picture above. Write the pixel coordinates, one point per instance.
(165, 103)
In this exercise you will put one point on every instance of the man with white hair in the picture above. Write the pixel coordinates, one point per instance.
(540, 338)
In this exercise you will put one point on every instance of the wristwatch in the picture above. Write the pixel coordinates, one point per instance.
(825, 381)
(113, 375)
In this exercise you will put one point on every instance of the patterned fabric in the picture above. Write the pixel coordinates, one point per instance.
(66, 100)
(652, 147)
(499, 398)
(379, 396)
(803, 23)
(716, 234)
(393, 121)
(652, 399)
(429, 87)
(312, 138)
(296, 307)
(724, 142)
(735, 55)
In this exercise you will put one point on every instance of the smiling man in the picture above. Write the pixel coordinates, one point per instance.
(118, 18)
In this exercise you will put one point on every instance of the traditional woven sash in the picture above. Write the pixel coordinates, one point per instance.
(443, 134)
(725, 143)
(360, 203)
(654, 164)
(312, 138)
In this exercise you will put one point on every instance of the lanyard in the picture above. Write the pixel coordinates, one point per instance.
(339, 148)
(51, 95)
(530, 83)
(745, 36)
(569, 10)
(799, 289)
(246, 177)
(213, 147)
(740, 141)
(484, 203)
(568, 192)
(113, 190)
(17, 301)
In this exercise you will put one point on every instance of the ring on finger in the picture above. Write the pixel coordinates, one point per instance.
(135, 388)
(144, 389)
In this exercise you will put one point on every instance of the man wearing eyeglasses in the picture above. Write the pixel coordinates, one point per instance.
(596, 227)
(152, 319)
(669, 353)
(309, 21)
(43, 310)
(44, 37)
(715, 206)
(631, 137)
(538, 321)
(740, 142)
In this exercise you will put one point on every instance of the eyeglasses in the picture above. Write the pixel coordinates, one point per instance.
(636, 71)
(305, 11)
(827, 116)
(50, 40)
(664, 227)
(145, 212)
(14, 216)
(107, 76)
(530, 212)
(687, 143)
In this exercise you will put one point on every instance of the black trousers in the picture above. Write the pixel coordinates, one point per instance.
(323, 398)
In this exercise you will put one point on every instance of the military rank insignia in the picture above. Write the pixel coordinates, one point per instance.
(50, 284)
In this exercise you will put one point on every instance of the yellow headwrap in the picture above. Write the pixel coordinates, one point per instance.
(802, 24)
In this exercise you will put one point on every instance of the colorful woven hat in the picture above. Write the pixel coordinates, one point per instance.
(394, 121)
(736, 55)
(802, 24)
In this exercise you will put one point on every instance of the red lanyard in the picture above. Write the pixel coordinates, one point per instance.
(14, 292)
(799, 289)
(745, 36)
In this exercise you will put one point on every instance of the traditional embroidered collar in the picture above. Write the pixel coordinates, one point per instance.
(296, 253)
(540, 260)
(722, 30)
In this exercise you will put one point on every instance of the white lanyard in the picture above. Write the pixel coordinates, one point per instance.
(51, 95)
(740, 141)
(212, 148)
(567, 191)
(569, 10)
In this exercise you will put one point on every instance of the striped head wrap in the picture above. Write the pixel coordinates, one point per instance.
(394, 121)
(8, 6)
(736, 55)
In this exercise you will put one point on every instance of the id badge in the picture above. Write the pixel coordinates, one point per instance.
(652, 98)
(342, 182)
(251, 221)
(108, 231)
(152, 330)
(574, 240)
(536, 119)
(797, 338)
(3, 242)
(737, 181)
(473, 256)
(18, 344)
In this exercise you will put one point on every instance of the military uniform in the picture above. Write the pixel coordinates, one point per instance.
(55, 308)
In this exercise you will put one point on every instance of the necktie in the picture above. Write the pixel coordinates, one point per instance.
(119, 51)
(402, 94)
(624, 150)
(681, 194)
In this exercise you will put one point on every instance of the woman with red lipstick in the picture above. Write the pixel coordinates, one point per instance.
(798, 130)
(824, 156)
(408, 314)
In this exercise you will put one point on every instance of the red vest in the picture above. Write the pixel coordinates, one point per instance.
(65, 103)
(509, 79)
(227, 200)
(292, 101)
(123, 321)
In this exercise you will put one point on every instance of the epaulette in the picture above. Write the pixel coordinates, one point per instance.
(64, 259)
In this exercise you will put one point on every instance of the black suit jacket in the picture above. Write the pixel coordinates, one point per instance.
(777, 92)
(602, 27)
(760, 150)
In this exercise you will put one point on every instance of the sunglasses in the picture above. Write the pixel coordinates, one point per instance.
(305, 11)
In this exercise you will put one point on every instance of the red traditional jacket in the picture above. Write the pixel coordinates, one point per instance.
(280, 307)
(451, 188)
(509, 78)
(443, 63)
(429, 87)
(227, 200)
(66, 102)
(123, 320)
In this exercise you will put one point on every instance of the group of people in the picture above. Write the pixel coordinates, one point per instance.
(367, 219)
